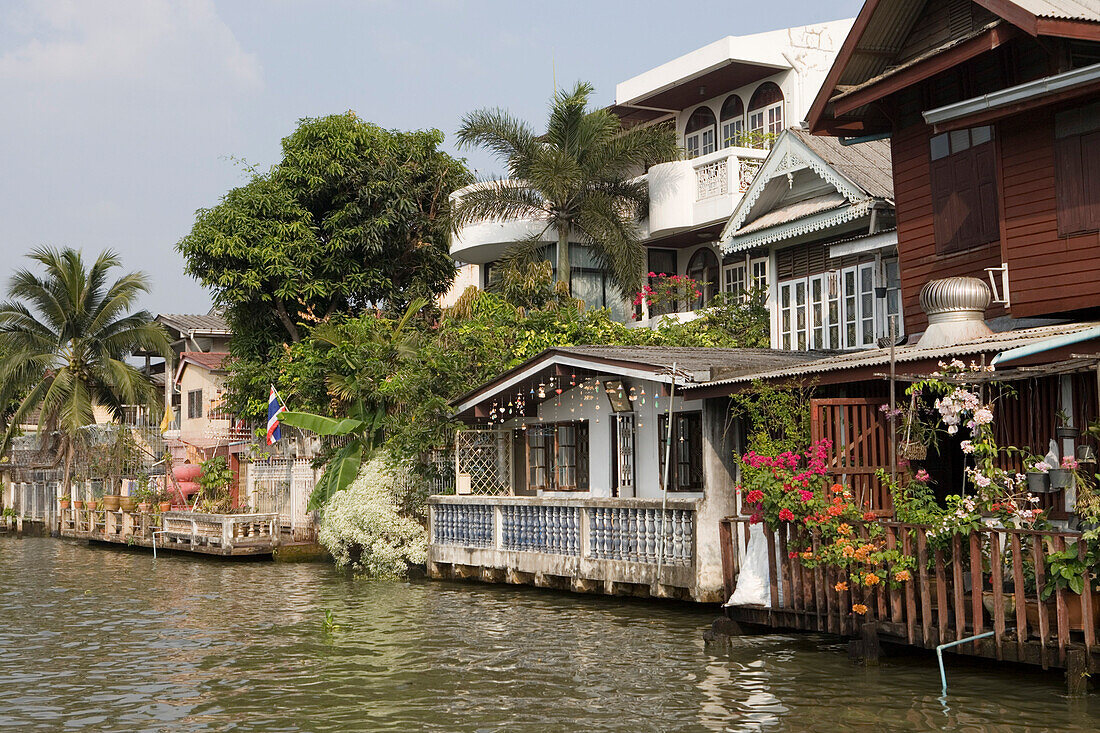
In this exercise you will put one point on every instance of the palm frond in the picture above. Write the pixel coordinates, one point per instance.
(498, 201)
(507, 137)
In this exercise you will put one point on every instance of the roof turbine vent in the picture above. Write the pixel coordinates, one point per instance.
(956, 311)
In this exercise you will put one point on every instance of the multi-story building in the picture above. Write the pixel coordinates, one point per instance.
(728, 102)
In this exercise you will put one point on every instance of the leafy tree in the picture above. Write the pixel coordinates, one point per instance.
(728, 321)
(65, 336)
(353, 215)
(578, 177)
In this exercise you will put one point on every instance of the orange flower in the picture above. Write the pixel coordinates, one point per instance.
(835, 510)
(871, 579)
(848, 551)
(902, 575)
(844, 529)
(868, 516)
(837, 489)
(859, 608)
(840, 586)
(808, 555)
(864, 551)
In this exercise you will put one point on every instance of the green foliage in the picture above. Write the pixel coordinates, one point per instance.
(579, 177)
(361, 435)
(776, 419)
(214, 482)
(728, 321)
(1066, 569)
(353, 215)
(65, 336)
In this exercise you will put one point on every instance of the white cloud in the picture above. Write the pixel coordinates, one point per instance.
(96, 41)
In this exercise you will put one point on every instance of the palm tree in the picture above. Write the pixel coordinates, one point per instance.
(580, 178)
(65, 336)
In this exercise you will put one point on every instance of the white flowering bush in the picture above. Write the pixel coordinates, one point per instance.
(364, 527)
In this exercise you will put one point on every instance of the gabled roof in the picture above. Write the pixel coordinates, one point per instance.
(859, 176)
(211, 361)
(871, 63)
(654, 363)
(211, 324)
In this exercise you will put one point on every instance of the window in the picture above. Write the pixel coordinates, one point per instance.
(700, 133)
(194, 404)
(964, 189)
(838, 309)
(686, 472)
(661, 262)
(589, 282)
(557, 457)
(759, 274)
(736, 281)
(1077, 169)
(703, 267)
(765, 115)
(732, 119)
(622, 440)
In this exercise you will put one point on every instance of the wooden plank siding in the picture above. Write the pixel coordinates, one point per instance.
(917, 256)
(1037, 256)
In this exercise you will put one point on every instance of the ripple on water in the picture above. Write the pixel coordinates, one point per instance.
(107, 640)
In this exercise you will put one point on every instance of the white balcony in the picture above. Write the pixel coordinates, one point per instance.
(683, 194)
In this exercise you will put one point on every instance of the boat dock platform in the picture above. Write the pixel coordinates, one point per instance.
(225, 535)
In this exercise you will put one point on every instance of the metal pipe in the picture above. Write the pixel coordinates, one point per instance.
(155, 533)
(941, 647)
(664, 487)
(1054, 342)
(864, 138)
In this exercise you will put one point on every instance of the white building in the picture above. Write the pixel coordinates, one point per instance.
(728, 101)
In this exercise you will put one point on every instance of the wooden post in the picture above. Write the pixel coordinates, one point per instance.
(871, 648)
(1077, 672)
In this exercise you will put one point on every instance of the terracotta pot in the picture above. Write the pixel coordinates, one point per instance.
(186, 472)
(111, 502)
(165, 506)
(1073, 611)
(143, 507)
(78, 505)
(64, 503)
(127, 503)
(90, 504)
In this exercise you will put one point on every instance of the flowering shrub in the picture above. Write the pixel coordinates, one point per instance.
(669, 289)
(792, 488)
(363, 528)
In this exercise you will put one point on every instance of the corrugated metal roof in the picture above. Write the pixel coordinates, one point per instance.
(212, 323)
(868, 165)
(722, 363)
(879, 357)
(1088, 10)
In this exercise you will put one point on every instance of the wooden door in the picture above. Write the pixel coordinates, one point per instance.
(860, 437)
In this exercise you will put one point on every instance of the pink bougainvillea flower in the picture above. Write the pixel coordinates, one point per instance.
(786, 515)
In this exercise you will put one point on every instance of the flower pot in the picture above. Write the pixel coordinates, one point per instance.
(913, 451)
(111, 502)
(78, 505)
(143, 507)
(127, 503)
(1038, 482)
(1060, 478)
(1073, 611)
(1064, 433)
(1008, 604)
(65, 503)
(91, 504)
(165, 506)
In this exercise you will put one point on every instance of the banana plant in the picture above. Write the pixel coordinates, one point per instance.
(362, 431)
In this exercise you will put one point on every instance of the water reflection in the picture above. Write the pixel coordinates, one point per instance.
(107, 640)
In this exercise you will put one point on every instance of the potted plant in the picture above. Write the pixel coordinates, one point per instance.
(77, 504)
(65, 501)
(127, 503)
(1065, 570)
(1038, 476)
(91, 504)
(111, 502)
(1064, 477)
(1064, 431)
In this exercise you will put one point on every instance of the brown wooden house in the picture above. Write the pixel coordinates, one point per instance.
(993, 113)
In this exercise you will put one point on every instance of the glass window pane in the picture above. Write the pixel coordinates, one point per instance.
(960, 140)
(979, 135)
(940, 147)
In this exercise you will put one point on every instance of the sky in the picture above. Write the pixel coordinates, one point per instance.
(120, 118)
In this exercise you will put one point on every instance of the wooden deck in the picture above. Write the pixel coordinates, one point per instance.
(224, 535)
(939, 604)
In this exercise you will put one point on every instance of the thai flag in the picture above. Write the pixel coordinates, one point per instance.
(274, 407)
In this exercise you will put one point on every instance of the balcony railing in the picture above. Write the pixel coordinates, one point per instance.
(602, 545)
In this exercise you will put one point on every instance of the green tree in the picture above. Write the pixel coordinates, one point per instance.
(353, 215)
(578, 177)
(65, 336)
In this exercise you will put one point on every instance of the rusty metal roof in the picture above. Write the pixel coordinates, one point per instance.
(1088, 10)
(211, 323)
(994, 342)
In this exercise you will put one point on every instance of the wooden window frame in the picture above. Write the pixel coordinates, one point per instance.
(955, 158)
(194, 404)
(694, 459)
(553, 448)
(1077, 174)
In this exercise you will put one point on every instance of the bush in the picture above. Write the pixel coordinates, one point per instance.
(364, 528)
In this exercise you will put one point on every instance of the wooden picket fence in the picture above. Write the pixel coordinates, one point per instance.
(939, 604)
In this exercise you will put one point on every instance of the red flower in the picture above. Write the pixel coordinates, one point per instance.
(755, 496)
(786, 515)
(868, 516)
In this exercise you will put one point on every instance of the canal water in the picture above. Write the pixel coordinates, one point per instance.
(104, 639)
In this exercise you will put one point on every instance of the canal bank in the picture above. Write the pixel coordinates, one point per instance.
(98, 639)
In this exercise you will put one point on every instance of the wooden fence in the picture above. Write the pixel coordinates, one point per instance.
(939, 604)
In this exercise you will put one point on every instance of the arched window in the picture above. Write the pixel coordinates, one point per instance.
(732, 121)
(703, 268)
(701, 133)
(765, 114)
